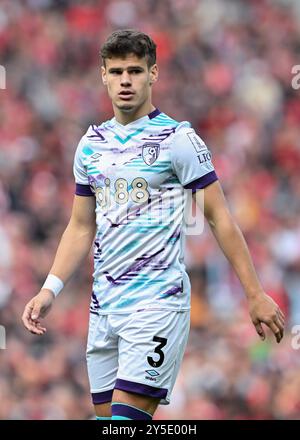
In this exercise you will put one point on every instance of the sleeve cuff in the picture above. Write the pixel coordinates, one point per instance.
(202, 182)
(83, 190)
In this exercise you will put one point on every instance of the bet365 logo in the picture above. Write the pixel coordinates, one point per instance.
(2, 338)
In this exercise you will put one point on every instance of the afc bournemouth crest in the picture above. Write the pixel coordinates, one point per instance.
(150, 152)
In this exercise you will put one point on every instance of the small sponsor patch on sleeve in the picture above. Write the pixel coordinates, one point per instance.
(196, 141)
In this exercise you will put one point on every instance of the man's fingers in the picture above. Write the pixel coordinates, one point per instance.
(276, 325)
(27, 312)
(280, 313)
(33, 326)
(276, 329)
(260, 331)
(36, 328)
(27, 315)
(280, 325)
(36, 311)
(281, 320)
(38, 325)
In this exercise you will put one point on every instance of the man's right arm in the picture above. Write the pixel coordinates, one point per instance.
(77, 238)
(73, 248)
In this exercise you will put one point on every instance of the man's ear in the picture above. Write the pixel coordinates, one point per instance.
(153, 74)
(103, 74)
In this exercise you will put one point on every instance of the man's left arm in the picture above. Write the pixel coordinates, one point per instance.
(262, 308)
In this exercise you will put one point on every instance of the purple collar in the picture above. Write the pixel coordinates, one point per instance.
(154, 113)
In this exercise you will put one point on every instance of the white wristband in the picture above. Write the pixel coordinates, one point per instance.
(53, 283)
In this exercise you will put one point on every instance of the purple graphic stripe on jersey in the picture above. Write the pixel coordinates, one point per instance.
(95, 302)
(160, 136)
(83, 190)
(153, 114)
(136, 267)
(171, 292)
(176, 233)
(139, 388)
(103, 397)
(97, 135)
(97, 250)
(202, 182)
(130, 214)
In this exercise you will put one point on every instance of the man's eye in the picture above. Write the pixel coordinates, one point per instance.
(135, 71)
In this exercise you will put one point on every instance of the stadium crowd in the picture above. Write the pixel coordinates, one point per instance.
(225, 65)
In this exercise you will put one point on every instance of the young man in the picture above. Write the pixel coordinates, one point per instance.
(130, 173)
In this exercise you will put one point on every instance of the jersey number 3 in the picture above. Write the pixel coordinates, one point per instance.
(158, 350)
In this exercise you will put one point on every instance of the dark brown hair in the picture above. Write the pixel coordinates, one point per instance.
(129, 41)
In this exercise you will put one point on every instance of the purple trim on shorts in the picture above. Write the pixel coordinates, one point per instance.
(120, 409)
(202, 182)
(140, 388)
(154, 113)
(83, 190)
(103, 397)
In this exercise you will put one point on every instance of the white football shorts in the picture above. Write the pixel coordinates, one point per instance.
(138, 352)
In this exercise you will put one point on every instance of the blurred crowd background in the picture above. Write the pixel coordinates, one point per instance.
(225, 65)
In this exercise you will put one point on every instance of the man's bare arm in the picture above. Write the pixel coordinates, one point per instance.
(73, 248)
(77, 238)
(262, 308)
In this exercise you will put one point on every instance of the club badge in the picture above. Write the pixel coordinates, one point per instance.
(150, 153)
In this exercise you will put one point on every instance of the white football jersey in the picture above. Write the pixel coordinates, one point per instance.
(138, 173)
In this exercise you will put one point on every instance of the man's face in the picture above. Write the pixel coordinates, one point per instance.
(129, 81)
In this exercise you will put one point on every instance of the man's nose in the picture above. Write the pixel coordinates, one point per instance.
(125, 79)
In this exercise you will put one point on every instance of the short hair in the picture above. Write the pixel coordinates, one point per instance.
(129, 41)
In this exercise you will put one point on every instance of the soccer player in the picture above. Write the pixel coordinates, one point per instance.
(131, 175)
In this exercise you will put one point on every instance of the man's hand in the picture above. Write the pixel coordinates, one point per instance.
(263, 309)
(38, 307)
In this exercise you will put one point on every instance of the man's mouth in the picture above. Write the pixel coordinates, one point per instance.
(126, 94)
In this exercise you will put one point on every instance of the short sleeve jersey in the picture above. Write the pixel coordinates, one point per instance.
(138, 174)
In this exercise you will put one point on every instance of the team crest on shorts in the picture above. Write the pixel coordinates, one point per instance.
(150, 152)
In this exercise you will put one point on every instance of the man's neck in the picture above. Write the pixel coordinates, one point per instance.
(125, 118)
